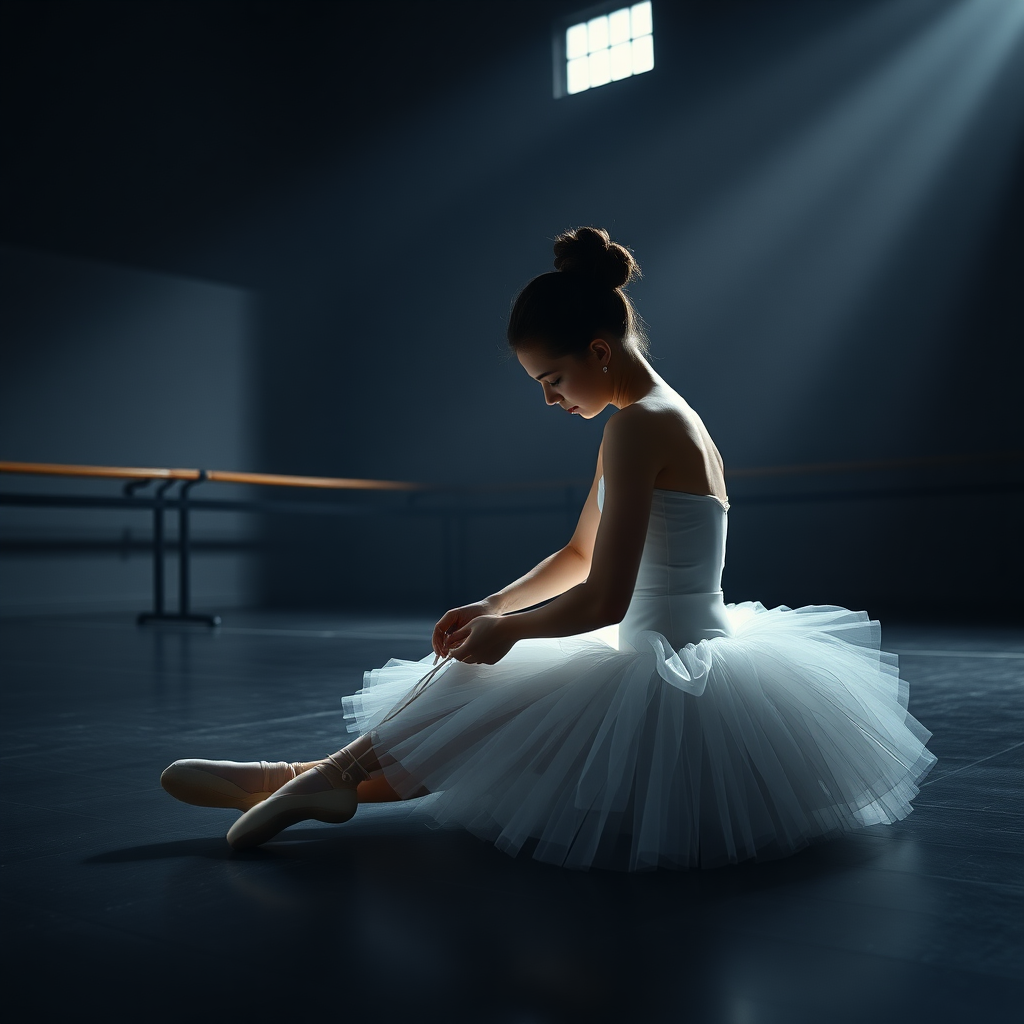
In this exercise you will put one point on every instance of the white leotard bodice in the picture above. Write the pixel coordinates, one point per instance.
(678, 590)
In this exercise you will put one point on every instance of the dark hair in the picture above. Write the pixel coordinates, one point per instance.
(582, 300)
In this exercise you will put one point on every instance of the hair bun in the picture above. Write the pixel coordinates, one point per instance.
(590, 252)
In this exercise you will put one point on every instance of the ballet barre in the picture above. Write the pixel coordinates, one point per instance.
(171, 490)
(160, 501)
(162, 498)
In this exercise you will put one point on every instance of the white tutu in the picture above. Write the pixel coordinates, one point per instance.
(750, 745)
(701, 734)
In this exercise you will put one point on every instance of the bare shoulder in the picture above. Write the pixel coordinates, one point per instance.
(702, 436)
(667, 436)
(635, 426)
(640, 418)
(653, 421)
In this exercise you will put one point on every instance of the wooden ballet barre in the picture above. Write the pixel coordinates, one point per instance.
(138, 478)
(213, 475)
(357, 484)
(328, 482)
(927, 462)
(108, 472)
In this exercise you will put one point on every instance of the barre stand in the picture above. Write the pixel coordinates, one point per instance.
(159, 612)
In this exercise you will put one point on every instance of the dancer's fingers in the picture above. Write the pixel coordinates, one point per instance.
(445, 624)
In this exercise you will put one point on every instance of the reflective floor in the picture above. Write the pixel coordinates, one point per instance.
(119, 900)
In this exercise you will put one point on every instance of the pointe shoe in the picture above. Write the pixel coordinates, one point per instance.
(238, 784)
(277, 812)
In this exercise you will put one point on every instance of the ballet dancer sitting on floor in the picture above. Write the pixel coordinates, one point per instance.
(704, 733)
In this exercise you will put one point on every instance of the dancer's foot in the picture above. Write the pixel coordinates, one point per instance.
(328, 793)
(238, 784)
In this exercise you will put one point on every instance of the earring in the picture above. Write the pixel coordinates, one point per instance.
(604, 369)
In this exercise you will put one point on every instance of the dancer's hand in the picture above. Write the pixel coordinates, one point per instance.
(483, 641)
(452, 620)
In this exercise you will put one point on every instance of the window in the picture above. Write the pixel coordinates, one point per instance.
(605, 48)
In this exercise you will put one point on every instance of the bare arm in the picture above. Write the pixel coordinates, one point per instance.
(556, 574)
(604, 596)
(566, 568)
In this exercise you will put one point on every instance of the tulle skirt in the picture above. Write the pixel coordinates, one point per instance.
(793, 728)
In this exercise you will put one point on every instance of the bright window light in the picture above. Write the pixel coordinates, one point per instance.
(609, 48)
(576, 42)
(618, 27)
(597, 34)
(640, 20)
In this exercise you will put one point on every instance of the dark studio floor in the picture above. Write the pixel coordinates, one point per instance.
(122, 904)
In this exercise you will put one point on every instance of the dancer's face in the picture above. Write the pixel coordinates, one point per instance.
(577, 384)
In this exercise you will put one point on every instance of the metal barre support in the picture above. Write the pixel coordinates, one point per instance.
(184, 560)
(158, 552)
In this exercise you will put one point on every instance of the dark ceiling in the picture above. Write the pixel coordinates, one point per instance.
(123, 119)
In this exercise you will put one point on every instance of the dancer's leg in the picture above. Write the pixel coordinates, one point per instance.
(374, 790)
(329, 792)
(365, 766)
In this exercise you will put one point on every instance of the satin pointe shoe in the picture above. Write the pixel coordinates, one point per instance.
(238, 784)
(284, 808)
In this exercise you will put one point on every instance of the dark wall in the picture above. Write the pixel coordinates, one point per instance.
(105, 365)
(825, 197)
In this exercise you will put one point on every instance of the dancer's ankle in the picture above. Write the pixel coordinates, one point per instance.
(342, 770)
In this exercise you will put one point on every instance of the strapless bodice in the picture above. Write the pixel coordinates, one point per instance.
(678, 590)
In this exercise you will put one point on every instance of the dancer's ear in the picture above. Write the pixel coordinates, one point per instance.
(600, 352)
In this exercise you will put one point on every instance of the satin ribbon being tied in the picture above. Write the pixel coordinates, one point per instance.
(416, 690)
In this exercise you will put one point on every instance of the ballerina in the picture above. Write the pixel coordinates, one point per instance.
(696, 733)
